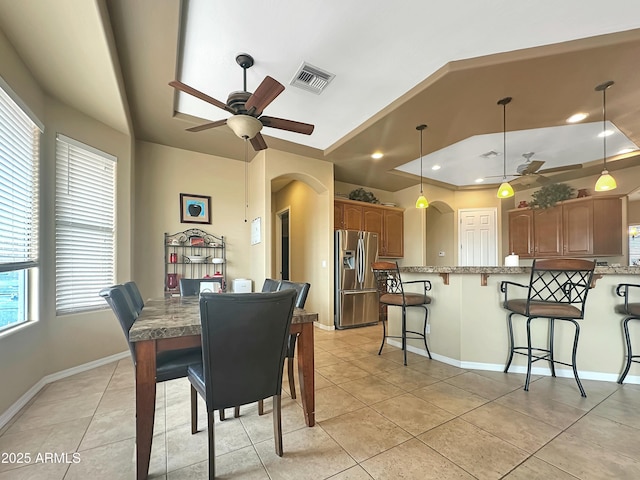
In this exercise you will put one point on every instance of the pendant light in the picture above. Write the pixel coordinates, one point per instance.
(505, 190)
(422, 201)
(606, 182)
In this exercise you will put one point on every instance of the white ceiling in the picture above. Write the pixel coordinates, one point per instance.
(556, 146)
(378, 52)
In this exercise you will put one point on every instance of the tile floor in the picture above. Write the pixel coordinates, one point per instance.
(375, 420)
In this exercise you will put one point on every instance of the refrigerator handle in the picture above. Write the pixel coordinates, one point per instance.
(360, 255)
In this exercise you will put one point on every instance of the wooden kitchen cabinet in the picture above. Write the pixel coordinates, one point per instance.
(347, 216)
(547, 232)
(521, 240)
(578, 228)
(582, 227)
(393, 234)
(387, 222)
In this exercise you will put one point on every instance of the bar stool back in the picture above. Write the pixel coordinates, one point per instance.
(391, 292)
(557, 290)
(632, 312)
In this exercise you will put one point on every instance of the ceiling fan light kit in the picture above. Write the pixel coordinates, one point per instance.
(244, 126)
(421, 202)
(505, 190)
(247, 120)
(606, 182)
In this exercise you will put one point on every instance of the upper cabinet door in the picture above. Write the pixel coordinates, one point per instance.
(372, 222)
(393, 233)
(607, 226)
(338, 216)
(578, 228)
(521, 233)
(352, 218)
(548, 232)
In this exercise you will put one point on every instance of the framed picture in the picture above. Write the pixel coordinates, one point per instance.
(195, 208)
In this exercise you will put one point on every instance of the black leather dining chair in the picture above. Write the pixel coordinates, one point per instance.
(391, 293)
(191, 287)
(631, 311)
(270, 285)
(170, 364)
(230, 376)
(557, 290)
(302, 291)
(134, 294)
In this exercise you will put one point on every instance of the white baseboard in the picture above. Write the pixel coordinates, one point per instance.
(8, 414)
(322, 326)
(493, 367)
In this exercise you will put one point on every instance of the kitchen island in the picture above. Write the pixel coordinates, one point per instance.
(468, 326)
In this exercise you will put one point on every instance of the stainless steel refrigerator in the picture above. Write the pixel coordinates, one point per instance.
(356, 297)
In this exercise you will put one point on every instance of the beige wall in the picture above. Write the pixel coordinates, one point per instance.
(303, 204)
(30, 352)
(162, 174)
(633, 213)
(316, 228)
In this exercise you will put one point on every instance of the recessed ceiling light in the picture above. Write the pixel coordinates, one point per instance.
(606, 133)
(479, 180)
(577, 117)
(377, 155)
(436, 167)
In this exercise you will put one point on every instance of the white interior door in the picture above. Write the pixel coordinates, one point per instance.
(478, 237)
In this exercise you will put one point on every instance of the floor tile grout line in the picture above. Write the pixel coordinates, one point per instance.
(533, 454)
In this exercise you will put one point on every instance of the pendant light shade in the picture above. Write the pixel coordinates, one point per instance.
(606, 182)
(421, 202)
(505, 190)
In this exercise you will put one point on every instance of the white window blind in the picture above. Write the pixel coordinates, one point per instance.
(19, 152)
(85, 225)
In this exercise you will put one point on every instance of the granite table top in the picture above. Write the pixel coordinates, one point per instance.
(179, 317)
(510, 270)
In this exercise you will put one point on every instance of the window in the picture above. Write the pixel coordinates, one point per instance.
(85, 225)
(634, 245)
(19, 159)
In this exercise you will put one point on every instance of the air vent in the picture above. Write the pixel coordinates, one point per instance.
(490, 154)
(312, 79)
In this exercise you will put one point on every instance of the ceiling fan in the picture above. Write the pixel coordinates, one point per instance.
(529, 172)
(247, 119)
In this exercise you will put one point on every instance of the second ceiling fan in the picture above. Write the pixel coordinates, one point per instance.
(247, 119)
(529, 172)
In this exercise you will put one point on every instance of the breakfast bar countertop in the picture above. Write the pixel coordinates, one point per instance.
(622, 270)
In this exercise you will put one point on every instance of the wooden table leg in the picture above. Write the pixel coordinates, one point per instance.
(306, 373)
(145, 404)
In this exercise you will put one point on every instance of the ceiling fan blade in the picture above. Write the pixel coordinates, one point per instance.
(266, 92)
(575, 166)
(198, 94)
(290, 125)
(207, 126)
(532, 167)
(258, 142)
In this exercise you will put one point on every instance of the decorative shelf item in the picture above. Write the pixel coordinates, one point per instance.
(551, 194)
(193, 253)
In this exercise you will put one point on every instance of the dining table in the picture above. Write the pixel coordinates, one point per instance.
(174, 322)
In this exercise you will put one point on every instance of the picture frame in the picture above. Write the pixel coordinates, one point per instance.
(195, 208)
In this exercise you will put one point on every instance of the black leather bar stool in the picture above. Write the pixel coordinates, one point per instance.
(391, 293)
(557, 290)
(631, 312)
